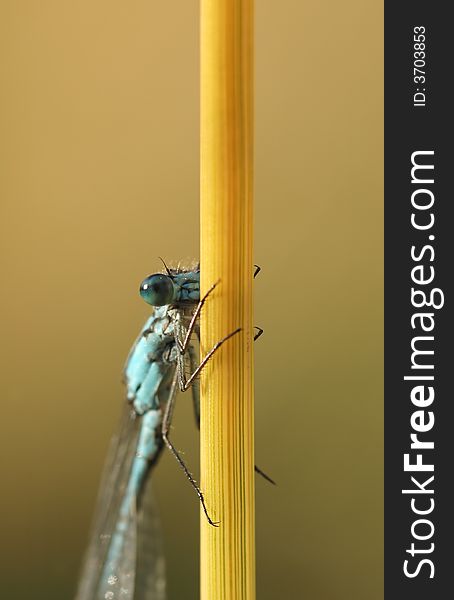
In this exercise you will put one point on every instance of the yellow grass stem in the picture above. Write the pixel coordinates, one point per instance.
(227, 410)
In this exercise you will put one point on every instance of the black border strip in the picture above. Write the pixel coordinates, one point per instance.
(409, 129)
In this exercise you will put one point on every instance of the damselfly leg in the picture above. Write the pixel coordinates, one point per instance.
(165, 436)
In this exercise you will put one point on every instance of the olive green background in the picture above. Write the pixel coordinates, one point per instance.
(98, 177)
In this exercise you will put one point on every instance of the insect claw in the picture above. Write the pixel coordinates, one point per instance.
(258, 334)
(214, 523)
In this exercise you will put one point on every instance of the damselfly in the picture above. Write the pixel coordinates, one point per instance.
(124, 560)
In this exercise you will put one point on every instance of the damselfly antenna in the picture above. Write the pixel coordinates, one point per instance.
(165, 266)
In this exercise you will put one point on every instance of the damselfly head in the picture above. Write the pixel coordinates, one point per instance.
(158, 289)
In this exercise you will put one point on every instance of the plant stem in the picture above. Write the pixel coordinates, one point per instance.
(227, 409)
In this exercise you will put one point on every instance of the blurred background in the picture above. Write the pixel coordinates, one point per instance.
(99, 177)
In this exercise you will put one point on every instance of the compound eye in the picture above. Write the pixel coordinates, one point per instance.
(157, 290)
